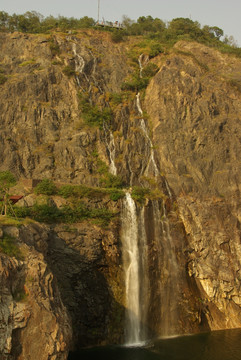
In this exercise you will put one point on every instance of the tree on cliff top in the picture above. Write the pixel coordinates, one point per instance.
(7, 180)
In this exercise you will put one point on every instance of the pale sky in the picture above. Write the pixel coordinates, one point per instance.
(225, 14)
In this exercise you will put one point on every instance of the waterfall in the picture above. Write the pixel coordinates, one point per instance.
(79, 64)
(151, 160)
(169, 273)
(135, 271)
(79, 69)
(151, 275)
(110, 145)
(140, 64)
(111, 148)
(79, 61)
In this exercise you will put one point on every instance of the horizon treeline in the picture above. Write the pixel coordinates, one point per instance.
(176, 29)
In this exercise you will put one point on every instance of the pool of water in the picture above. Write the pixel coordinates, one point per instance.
(217, 345)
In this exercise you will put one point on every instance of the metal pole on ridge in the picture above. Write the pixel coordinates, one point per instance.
(98, 10)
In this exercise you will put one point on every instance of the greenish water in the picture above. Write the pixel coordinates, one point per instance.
(218, 345)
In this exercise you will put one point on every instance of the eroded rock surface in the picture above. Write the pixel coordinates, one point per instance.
(33, 317)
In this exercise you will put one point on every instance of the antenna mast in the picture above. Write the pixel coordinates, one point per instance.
(98, 10)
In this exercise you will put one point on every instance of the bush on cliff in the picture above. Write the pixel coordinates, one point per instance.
(72, 213)
(92, 114)
(9, 247)
(46, 187)
(139, 194)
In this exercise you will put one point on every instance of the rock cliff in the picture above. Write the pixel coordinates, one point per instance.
(180, 139)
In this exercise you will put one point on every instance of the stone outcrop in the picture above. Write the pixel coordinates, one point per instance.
(66, 290)
(33, 317)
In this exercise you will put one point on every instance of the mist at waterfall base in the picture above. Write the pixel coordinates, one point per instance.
(217, 345)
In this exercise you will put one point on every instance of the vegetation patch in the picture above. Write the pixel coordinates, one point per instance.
(46, 187)
(82, 191)
(111, 181)
(93, 115)
(26, 63)
(54, 47)
(9, 247)
(135, 83)
(69, 71)
(139, 194)
(3, 79)
(72, 213)
(20, 295)
(117, 36)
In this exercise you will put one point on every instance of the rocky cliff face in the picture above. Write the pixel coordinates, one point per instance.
(63, 291)
(180, 138)
(33, 317)
(194, 104)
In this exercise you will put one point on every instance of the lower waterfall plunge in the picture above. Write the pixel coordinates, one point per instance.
(134, 263)
(151, 295)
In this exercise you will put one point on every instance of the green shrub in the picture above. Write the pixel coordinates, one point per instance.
(9, 247)
(54, 47)
(46, 213)
(139, 194)
(117, 36)
(92, 114)
(116, 194)
(46, 187)
(22, 212)
(96, 117)
(3, 79)
(68, 71)
(28, 62)
(115, 99)
(101, 216)
(67, 191)
(111, 181)
(150, 70)
(136, 83)
(102, 167)
(76, 212)
(155, 49)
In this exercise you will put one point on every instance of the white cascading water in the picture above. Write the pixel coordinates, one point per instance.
(79, 61)
(79, 64)
(131, 270)
(111, 147)
(167, 286)
(79, 67)
(151, 160)
(110, 144)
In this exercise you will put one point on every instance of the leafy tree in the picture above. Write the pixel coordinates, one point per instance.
(4, 18)
(127, 22)
(86, 22)
(7, 180)
(185, 26)
(216, 31)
